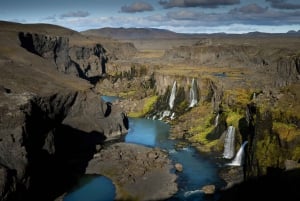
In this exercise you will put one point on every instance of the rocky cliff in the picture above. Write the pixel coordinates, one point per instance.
(51, 123)
(85, 62)
(279, 62)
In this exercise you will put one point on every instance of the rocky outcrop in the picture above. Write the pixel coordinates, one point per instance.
(217, 55)
(271, 145)
(38, 134)
(52, 48)
(85, 62)
(51, 123)
(139, 173)
(287, 71)
(90, 61)
(119, 50)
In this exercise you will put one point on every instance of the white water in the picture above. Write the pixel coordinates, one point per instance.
(172, 96)
(217, 120)
(193, 94)
(164, 114)
(238, 160)
(189, 193)
(229, 143)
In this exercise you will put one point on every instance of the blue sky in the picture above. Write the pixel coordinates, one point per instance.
(185, 16)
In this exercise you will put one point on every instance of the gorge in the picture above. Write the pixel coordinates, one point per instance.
(54, 126)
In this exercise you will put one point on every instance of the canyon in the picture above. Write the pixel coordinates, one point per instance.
(53, 120)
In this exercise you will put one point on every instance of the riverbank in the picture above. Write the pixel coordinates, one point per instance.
(138, 172)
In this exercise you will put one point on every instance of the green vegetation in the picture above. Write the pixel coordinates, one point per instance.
(269, 153)
(203, 128)
(295, 154)
(286, 132)
(127, 94)
(233, 118)
(149, 103)
(238, 97)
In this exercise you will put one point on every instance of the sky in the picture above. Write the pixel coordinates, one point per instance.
(183, 16)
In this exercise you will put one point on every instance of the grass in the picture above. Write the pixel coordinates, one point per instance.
(148, 54)
(148, 105)
(240, 97)
(127, 94)
(202, 126)
(233, 118)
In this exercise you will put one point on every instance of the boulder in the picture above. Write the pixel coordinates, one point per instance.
(208, 189)
(178, 167)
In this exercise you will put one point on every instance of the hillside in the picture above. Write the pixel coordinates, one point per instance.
(47, 109)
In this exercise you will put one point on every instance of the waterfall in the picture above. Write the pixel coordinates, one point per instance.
(172, 96)
(217, 120)
(238, 160)
(193, 94)
(229, 143)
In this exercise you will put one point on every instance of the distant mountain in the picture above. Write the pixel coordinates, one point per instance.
(293, 32)
(133, 33)
(152, 33)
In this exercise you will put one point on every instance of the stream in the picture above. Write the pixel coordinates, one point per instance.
(197, 171)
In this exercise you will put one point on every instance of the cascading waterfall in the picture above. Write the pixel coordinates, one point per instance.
(193, 94)
(217, 120)
(238, 160)
(172, 96)
(229, 143)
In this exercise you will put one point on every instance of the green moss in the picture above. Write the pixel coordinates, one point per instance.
(181, 107)
(269, 153)
(233, 118)
(201, 134)
(202, 130)
(127, 94)
(238, 97)
(287, 132)
(295, 155)
(149, 103)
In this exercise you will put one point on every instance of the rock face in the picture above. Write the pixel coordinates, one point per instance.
(52, 48)
(41, 130)
(288, 71)
(283, 65)
(139, 173)
(89, 61)
(50, 123)
(85, 62)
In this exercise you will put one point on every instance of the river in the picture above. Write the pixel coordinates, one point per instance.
(197, 171)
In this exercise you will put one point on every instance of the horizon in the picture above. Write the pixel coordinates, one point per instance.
(180, 16)
(191, 33)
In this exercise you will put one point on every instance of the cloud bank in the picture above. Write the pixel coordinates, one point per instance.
(75, 14)
(137, 7)
(282, 4)
(197, 3)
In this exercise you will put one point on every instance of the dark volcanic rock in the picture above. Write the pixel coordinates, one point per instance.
(53, 48)
(90, 61)
(85, 62)
(139, 172)
(50, 123)
(39, 135)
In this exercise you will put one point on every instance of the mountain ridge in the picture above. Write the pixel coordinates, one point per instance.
(152, 33)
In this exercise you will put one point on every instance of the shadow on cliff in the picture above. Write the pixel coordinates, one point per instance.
(54, 174)
(276, 185)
